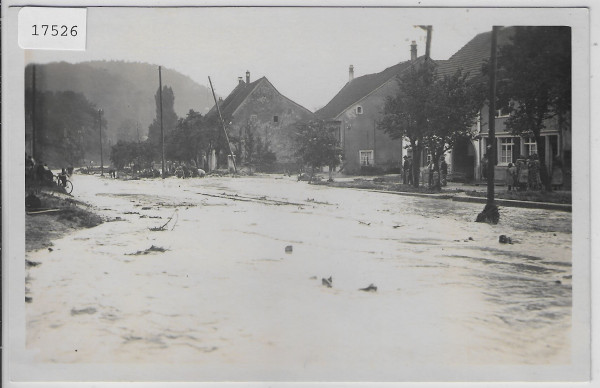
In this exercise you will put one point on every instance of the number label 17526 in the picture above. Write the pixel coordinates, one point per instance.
(53, 30)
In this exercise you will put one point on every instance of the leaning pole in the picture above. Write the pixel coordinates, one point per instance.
(490, 212)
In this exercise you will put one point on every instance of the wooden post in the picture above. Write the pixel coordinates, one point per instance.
(223, 124)
(428, 44)
(162, 134)
(33, 103)
(490, 212)
(492, 157)
(101, 154)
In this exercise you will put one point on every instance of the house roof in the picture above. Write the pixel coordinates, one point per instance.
(471, 56)
(237, 96)
(359, 88)
(240, 93)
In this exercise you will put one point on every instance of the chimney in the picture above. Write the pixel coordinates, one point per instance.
(413, 51)
(350, 73)
(247, 77)
(240, 80)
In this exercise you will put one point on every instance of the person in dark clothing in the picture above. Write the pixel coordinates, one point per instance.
(444, 172)
(405, 170)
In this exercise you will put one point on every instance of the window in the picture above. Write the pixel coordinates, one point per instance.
(275, 119)
(359, 110)
(530, 146)
(504, 111)
(506, 150)
(366, 157)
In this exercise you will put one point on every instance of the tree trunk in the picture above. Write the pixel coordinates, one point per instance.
(416, 162)
(544, 176)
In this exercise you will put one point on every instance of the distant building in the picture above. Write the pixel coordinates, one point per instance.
(257, 106)
(356, 109)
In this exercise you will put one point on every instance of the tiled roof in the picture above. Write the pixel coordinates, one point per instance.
(358, 88)
(235, 98)
(472, 55)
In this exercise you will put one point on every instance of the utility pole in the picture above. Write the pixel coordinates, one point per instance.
(162, 133)
(428, 44)
(223, 124)
(33, 98)
(490, 213)
(100, 130)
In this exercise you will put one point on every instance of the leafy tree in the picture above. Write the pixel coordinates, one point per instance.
(535, 72)
(169, 117)
(122, 154)
(66, 126)
(407, 114)
(454, 107)
(316, 145)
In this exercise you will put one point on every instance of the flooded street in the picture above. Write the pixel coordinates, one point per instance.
(212, 285)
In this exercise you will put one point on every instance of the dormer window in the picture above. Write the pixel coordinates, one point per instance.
(359, 110)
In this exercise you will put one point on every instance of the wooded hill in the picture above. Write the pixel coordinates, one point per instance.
(124, 90)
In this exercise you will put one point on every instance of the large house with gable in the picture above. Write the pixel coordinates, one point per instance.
(259, 107)
(465, 160)
(356, 109)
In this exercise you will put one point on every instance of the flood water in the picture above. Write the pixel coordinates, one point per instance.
(215, 287)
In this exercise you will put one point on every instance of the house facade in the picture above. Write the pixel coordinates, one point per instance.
(258, 107)
(465, 159)
(356, 109)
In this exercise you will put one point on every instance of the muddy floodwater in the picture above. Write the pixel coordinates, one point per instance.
(197, 272)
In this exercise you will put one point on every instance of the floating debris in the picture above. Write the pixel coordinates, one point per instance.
(289, 249)
(29, 263)
(87, 310)
(370, 288)
(505, 240)
(327, 282)
(313, 277)
(364, 223)
(153, 248)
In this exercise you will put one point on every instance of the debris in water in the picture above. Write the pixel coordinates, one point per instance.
(153, 248)
(28, 299)
(289, 249)
(50, 249)
(364, 223)
(87, 310)
(146, 208)
(371, 288)
(313, 277)
(471, 239)
(505, 240)
(29, 263)
(327, 282)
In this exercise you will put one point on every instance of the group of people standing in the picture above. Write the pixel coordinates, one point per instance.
(432, 171)
(524, 174)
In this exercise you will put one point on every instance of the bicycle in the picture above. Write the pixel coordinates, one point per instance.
(68, 186)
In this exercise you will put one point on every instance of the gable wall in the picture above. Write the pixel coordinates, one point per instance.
(359, 132)
(266, 102)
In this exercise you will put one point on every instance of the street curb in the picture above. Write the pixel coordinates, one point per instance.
(461, 198)
(515, 203)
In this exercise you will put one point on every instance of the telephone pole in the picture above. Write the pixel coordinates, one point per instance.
(490, 212)
(100, 111)
(162, 133)
(33, 101)
(223, 123)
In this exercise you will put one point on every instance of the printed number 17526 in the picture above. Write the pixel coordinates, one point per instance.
(53, 30)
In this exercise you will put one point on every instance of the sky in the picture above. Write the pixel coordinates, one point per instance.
(304, 52)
